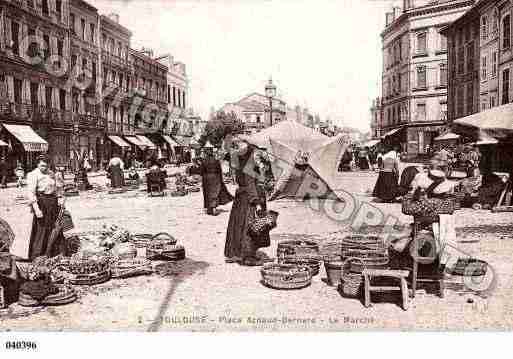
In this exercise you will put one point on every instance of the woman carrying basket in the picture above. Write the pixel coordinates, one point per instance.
(250, 197)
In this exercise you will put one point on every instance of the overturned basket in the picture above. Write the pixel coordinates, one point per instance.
(131, 268)
(286, 276)
(90, 279)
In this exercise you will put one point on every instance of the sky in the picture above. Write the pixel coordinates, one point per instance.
(321, 54)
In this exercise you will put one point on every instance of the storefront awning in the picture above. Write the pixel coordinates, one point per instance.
(118, 141)
(30, 140)
(170, 141)
(447, 136)
(392, 132)
(146, 141)
(496, 122)
(2, 143)
(135, 141)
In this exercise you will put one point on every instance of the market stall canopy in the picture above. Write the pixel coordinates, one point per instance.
(289, 133)
(30, 140)
(315, 178)
(447, 136)
(170, 141)
(118, 141)
(495, 122)
(2, 143)
(146, 141)
(485, 139)
(371, 143)
(135, 141)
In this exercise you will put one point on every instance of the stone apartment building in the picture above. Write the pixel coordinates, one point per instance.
(414, 78)
(376, 118)
(71, 85)
(35, 102)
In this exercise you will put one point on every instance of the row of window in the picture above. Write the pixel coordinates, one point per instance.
(398, 83)
(486, 29)
(86, 33)
(484, 66)
(45, 7)
(422, 43)
(114, 47)
(33, 94)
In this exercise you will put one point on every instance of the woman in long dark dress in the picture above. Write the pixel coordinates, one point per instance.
(386, 188)
(214, 189)
(45, 197)
(249, 198)
(115, 170)
(363, 159)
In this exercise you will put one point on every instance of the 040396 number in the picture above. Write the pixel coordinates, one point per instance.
(20, 345)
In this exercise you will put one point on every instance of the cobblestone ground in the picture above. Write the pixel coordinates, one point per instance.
(203, 293)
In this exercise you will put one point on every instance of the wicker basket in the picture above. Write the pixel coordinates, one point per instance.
(313, 264)
(90, 279)
(166, 252)
(286, 276)
(428, 207)
(131, 268)
(362, 242)
(297, 249)
(141, 240)
(66, 295)
(333, 267)
(117, 190)
(351, 283)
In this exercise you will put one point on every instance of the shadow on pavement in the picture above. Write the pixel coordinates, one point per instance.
(179, 272)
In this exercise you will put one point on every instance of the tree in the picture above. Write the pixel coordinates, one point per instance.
(219, 126)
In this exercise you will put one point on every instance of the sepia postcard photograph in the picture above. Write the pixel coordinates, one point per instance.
(255, 166)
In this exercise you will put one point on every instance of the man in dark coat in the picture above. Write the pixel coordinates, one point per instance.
(215, 192)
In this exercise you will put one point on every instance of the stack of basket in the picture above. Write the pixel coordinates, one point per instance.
(164, 247)
(300, 253)
(358, 253)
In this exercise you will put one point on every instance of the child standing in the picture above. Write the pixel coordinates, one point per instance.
(20, 175)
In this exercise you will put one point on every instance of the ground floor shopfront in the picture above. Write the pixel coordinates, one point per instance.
(414, 140)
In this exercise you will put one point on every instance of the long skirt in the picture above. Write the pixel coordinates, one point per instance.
(215, 192)
(238, 243)
(363, 163)
(116, 176)
(386, 187)
(42, 227)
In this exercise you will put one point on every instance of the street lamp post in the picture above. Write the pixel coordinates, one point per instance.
(270, 92)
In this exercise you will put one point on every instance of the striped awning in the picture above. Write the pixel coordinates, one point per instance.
(146, 141)
(170, 141)
(2, 143)
(135, 141)
(30, 140)
(118, 141)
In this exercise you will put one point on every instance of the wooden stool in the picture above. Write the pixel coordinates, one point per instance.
(386, 273)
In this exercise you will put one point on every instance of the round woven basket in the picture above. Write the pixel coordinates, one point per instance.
(166, 252)
(351, 283)
(297, 249)
(90, 279)
(66, 295)
(131, 267)
(313, 264)
(375, 259)
(141, 240)
(286, 276)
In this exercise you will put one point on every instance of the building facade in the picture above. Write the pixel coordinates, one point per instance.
(376, 118)
(414, 79)
(34, 74)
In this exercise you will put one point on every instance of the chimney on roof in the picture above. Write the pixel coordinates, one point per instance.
(114, 17)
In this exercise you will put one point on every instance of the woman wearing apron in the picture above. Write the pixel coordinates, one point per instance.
(45, 193)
